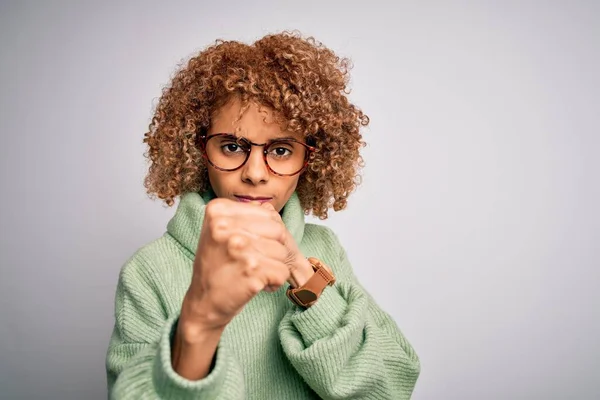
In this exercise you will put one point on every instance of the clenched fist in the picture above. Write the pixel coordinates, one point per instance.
(242, 250)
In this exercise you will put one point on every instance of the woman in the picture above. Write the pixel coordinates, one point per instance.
(240, 298)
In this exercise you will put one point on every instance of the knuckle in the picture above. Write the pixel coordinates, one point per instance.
(274, 215)
(282, 232)
(216, 207)
(210, 211)
(237, 242)
(253, 262)
(219, 229)
(279, 279)
(251, 265)
(219, 224)
(255, 286)
(219, 236)
(268, 205)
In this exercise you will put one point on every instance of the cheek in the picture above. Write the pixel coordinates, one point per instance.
(286, 189)
(218, 181)
(287, 185)
(293, 184)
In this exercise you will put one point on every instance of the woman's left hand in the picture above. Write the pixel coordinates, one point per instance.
(300, 268)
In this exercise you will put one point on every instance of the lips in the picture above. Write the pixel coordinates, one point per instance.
(247, 199)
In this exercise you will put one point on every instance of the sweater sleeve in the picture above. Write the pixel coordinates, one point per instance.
(345, 346)
(138, 361)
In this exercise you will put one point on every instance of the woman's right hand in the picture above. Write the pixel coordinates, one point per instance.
(240, 252)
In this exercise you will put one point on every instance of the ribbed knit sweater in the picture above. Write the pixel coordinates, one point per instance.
(343, 347)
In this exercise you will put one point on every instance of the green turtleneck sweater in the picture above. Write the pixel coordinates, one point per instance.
(342, 347)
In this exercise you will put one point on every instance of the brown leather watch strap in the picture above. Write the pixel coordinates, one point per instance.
(307, 294)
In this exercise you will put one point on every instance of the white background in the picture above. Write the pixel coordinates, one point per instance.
(477, 226)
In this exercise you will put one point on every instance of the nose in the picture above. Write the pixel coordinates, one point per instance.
(255, 171)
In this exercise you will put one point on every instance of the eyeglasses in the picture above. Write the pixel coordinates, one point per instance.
(283, 157)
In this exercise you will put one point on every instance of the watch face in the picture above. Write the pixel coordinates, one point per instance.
(306, 296)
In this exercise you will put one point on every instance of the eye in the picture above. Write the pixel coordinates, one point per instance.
(231, 148)
(281, 152)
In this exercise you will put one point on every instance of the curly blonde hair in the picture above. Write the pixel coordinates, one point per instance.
(302, 80)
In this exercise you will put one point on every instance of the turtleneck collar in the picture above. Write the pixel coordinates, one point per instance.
(186, 224)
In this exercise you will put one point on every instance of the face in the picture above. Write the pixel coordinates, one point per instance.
(253, 179)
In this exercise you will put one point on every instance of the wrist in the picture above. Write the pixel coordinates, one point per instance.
(193, 333)
(301, 272)
(197, 321)
(194, 348)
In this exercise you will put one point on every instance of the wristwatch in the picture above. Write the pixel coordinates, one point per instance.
(307, 294)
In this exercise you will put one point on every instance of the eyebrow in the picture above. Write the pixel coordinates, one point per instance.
(270, 140)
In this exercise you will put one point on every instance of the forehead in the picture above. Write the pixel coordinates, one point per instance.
(251, 120)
